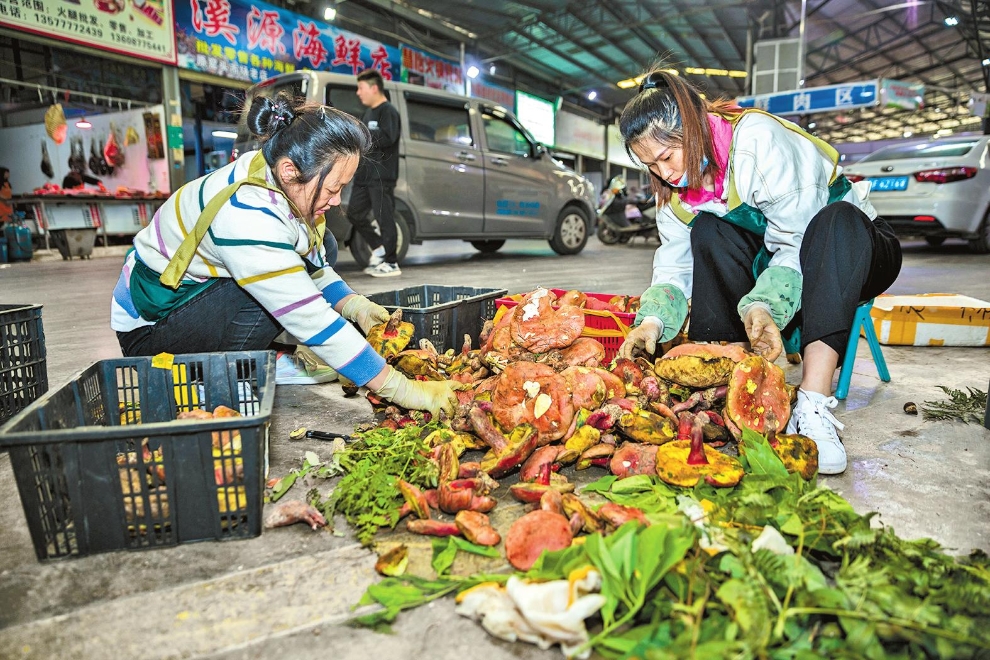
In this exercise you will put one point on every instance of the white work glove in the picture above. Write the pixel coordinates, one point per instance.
(763, 333)
(365, 313)
(432, 395)
(644, 336)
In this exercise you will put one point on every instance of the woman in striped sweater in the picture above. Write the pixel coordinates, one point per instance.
(234, 258)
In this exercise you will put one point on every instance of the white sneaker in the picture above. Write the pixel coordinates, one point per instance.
(377, 257)
(291, 370)
(386, 269)
(812, 417)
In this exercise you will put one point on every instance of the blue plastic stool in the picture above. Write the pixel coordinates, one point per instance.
(862, 321)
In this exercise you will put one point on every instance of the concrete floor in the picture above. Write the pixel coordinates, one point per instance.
(287, 592)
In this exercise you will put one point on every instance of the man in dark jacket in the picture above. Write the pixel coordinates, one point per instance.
(374, 183)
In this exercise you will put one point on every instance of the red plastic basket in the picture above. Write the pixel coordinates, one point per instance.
(609, 328)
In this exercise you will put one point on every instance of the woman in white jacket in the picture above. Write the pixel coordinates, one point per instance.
(763, 233)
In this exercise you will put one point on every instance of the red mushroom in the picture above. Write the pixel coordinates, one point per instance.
(532, 534)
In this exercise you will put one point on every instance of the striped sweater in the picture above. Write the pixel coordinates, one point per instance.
(255, 239)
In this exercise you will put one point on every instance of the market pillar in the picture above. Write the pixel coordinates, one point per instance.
(172, 99)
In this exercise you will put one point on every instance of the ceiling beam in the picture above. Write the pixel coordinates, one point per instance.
(656, 46)
(634, 58)
(401, 10)
(564, 56)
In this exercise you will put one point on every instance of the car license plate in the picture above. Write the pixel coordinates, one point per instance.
(889, 183)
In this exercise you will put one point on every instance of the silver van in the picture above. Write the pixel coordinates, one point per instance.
(467, 170)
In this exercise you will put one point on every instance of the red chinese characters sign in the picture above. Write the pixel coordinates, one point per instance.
(423, 69)
(137, 29)
(254, 41)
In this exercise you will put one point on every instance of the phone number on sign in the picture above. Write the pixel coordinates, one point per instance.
(63, 24)
(135, 41)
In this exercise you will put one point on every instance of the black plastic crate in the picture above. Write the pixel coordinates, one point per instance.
(443, 314)
(101, 464)
(23, 366)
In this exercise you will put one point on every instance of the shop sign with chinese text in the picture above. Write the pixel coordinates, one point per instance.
(906, 96)
(254, 41)
(500, 95)
(139, 28)
(420, 68)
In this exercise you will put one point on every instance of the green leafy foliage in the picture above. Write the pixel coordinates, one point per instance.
(836, 587)
(367, 494)
(445, 551)
(967, 407)
(311, 466)
(395, 594)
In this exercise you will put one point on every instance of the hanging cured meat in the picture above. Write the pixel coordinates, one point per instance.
(77, 154)
(112, 152)
(46, 162)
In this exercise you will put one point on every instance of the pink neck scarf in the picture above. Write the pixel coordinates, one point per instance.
(721, 131)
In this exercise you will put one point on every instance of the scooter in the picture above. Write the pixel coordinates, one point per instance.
(620, 218)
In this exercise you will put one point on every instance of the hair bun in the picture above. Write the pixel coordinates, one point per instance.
(281, 116)
(267, 115)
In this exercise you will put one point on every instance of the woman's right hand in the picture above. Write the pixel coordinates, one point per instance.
(431, 395)
(644, 337)
(763, 333)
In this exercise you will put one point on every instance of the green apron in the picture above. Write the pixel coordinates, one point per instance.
(752, 219)
(155, 295)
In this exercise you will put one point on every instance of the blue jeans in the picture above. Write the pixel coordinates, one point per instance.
(222, 318)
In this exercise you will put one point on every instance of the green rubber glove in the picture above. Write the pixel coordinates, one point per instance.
(365, 313)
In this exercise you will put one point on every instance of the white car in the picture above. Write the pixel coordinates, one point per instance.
(936, 189)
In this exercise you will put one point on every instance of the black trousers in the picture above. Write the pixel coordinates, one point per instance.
(380, 199)
(224, 317)
(845, 259)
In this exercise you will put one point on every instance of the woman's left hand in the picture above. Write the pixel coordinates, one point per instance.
(763, 333)
(365, 313)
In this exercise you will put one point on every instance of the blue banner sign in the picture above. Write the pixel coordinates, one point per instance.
(815, 99)
(253, 41)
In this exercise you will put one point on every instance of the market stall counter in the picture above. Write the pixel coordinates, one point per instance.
(108, 215)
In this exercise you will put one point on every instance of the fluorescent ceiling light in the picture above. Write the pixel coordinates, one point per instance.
(951, 21)
(700, 71)
(592, 95)
(230, 135)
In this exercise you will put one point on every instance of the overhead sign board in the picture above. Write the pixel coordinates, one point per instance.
(138, 29)
(906, 96)
(616, 149)
(537, 115)
(816, 99)
(252, 40)
(579, 135)
(504, 97)
(420, 68)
